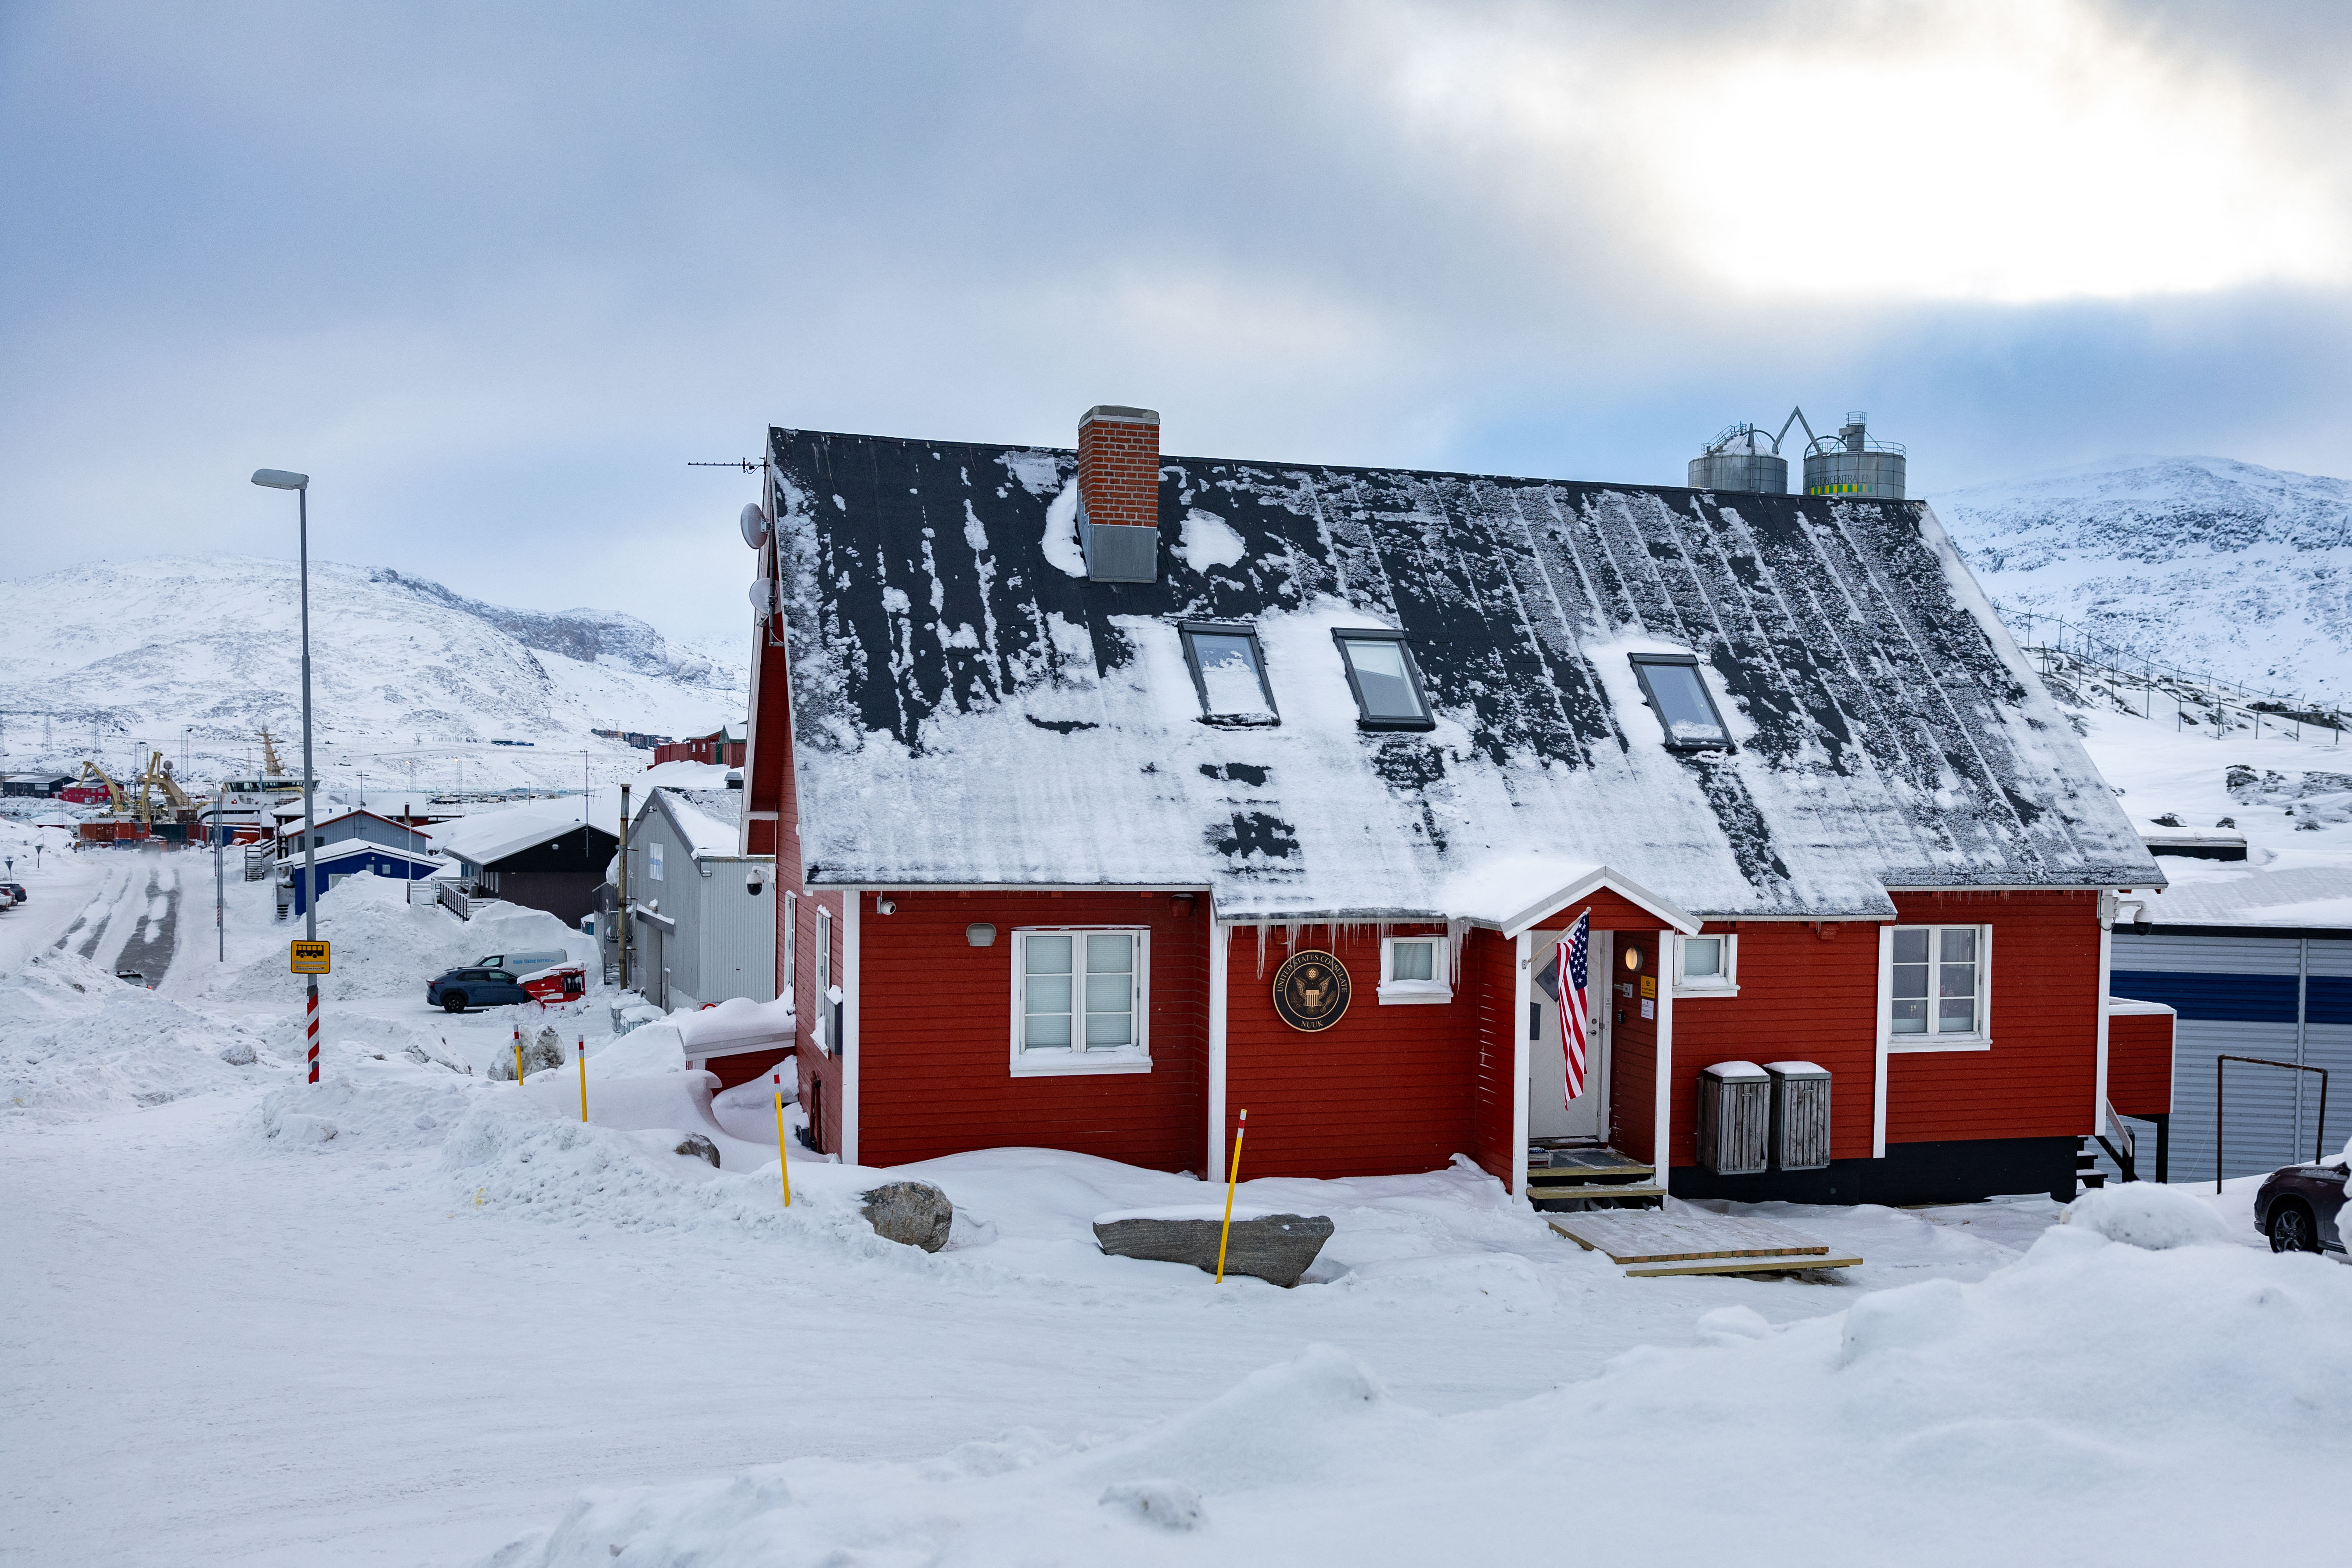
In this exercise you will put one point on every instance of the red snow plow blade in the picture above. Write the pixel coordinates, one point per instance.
(565, 983)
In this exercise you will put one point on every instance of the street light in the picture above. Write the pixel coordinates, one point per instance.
(279, 479)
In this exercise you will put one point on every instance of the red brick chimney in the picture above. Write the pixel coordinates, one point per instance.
(1119, 493)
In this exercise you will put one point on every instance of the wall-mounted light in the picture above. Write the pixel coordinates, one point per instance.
(1181, 905)
(979, 934)
(886, 906)
(1633, 960)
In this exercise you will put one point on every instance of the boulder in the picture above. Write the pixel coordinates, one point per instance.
(238, 1053)
(1276, 1248)
(700, 1148)
(915, 1214)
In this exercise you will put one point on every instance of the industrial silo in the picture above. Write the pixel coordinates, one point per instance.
(1851, 464)
(1742, 458)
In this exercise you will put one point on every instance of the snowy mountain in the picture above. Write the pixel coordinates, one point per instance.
(406, 675)
(2199, 562)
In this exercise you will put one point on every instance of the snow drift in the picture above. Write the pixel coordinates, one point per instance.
(76, 1040)
(386, 946)
(2095, 1402)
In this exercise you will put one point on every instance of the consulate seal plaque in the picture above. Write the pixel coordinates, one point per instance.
(1311, 991)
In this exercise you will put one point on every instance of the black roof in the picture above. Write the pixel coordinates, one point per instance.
(969, 710)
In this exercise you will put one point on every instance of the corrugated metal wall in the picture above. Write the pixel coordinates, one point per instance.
(2286, 997)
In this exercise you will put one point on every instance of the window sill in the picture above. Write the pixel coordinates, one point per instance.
(1051, 1064)
(1947, 1043)
(1411, 995)
(1694, 993)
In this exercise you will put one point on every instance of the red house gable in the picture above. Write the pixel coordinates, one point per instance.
(1291, 817)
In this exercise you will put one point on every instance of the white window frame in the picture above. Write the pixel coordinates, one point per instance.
(1438, 988)
(824, 971)
(1981, 1038)
(1077, 1058)
(654, 860)
(1727, 984)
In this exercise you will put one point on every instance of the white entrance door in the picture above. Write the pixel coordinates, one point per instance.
(1549, 1115)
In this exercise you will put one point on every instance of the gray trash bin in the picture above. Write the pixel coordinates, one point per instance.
(1735, 1113)
(1801, 1116)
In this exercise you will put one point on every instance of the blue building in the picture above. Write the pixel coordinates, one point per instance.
(350, 858)
(2259, 966)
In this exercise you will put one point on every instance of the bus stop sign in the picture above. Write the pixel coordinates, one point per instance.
(311, 958)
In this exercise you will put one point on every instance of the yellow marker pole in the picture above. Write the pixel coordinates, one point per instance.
(783, 1162)
(518, 1050)
(1233, 1178)
(583, 1078)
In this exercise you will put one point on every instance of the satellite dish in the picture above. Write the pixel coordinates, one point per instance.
(764, 599)
(754, 523)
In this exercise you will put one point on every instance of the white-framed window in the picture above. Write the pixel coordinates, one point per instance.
(1414, 969)
(1706, 965)
(653, 858)
(1936, 987)
(1081, 999)
(828, 1010)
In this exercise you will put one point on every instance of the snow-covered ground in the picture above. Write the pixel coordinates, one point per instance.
(418, 1315)
(2291, 798)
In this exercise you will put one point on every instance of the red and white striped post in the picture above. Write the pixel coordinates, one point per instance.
(310, 1023)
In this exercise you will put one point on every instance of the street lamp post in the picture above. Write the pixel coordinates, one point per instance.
(279, 479)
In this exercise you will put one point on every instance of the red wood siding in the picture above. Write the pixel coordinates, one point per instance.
(1633, 1051)
(2139, 1062)
(1490, 969)
(936, 1028)
(1805, 995)
(1385, 1090)
(2038, 1079)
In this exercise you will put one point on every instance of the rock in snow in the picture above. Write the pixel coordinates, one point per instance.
(1276, 1248)
(700, 1148)
(915, 1214)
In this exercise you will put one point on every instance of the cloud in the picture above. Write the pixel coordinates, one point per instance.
(495, 274)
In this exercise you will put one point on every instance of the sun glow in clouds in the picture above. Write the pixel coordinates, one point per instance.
(2009, 153)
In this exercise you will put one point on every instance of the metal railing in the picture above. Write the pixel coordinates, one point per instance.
(2319, 1135)
(2067, 648)
(459, 900)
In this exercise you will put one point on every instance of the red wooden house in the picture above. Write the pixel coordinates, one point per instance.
(1117, 793)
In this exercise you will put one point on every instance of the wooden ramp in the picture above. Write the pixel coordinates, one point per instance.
(1653, 1242)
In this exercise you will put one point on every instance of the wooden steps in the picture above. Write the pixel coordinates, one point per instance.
(1648, 1245)
(1587, 1173)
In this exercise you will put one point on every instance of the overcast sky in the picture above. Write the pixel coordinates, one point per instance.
(493, 273)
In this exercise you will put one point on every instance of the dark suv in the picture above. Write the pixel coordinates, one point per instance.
(2301, 1208)
(463, 988)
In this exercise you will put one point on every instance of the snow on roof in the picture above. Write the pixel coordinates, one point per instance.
(485, 836)
(710, 820)
(969, 709)
(2299, 896)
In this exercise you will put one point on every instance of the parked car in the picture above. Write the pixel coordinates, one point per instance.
(131, 977)
(523, 963)
(479, 986)
(487, 984)
(2301, 1208)
(15, 892)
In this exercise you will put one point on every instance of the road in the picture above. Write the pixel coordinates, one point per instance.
(132, 922)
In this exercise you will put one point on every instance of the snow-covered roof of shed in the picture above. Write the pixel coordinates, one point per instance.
(710, 820)
(970, 709)
(485, 836)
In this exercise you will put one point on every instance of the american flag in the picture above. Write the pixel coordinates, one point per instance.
(1574, 961)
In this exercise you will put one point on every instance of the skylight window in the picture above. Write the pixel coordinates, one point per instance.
(1228, 673)
(1680, 699)
(1385, 680)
